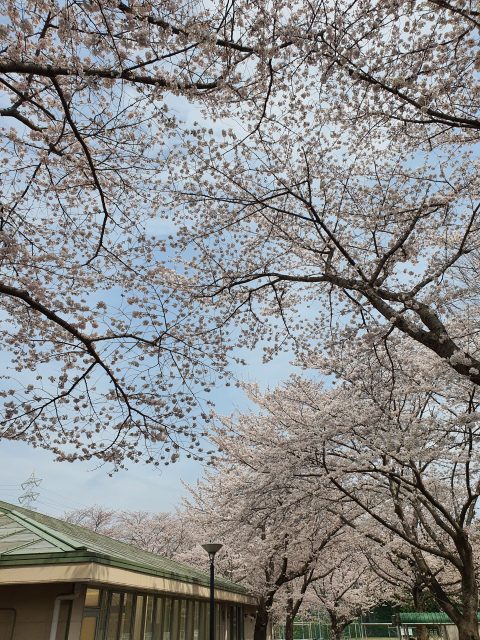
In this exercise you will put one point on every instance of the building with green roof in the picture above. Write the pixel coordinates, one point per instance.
(60, 581)
(436, 624)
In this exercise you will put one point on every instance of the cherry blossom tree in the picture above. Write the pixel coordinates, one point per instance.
(269, 518)
(279, 541)
(353, 204)
(97, 518)
(105, 360)
(334, 166)
(390, 560)
(289, 602)
(400, 445)
(347, 589)
(273, 549)
(168, 534)
(272, 539)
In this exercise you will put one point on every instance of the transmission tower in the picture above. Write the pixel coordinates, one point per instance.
(29, 494)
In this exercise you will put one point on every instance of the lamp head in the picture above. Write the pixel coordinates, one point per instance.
(211, 548)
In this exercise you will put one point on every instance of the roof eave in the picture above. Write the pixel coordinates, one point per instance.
(82, 556)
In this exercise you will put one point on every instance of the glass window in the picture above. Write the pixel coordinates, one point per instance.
(148, 623)
(240, 623)
(204, 621)
(138, 624)
(167, 618)
(129, 616)
(92, 598)
(218, 634)
(125, 631)
(228, 622)
(89, 626)
(63, 620)
(190, 620)
(221, 621)
(174, 620)
(103, 615)
(235, 622)
(7, 623)
(158, 617)
(196, 620)
(113, 616)
(182, 619)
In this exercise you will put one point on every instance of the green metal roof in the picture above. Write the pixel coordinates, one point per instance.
(31, 538)
(428, 617)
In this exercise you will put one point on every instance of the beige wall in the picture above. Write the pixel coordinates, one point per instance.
(451, 632)
(76, 614)
(33, 605)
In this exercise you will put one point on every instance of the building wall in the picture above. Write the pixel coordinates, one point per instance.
(249, 623)
(113, 614)
(33, 606)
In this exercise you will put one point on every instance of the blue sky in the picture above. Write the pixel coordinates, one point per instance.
(68, 486)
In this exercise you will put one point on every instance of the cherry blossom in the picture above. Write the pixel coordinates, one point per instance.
(397, 444)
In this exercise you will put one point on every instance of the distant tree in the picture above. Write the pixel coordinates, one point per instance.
(274, 539)
(97, 518)
(167, 534)
(164, 533)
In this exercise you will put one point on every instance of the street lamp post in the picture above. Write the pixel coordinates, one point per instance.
(211, 548)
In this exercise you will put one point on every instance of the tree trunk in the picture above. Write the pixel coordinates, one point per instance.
(288, 627)
(422, 632)
(468, 628)
(337, 626)
(463, 613)
(289, 618)
(467, 623)
(336, 632)
(261, 621)
(419, 601)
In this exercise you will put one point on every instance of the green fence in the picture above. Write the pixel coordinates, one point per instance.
(304, 630)
(319, 629)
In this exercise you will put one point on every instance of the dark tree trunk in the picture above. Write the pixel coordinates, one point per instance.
(419, 601)
(290, 614)
(468, 629)
(337, 626)
(467, 623)
(289, 627)
(261, 621)
(422, 632)
(337, 632)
